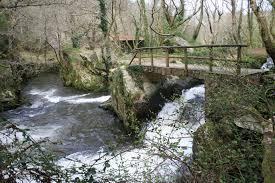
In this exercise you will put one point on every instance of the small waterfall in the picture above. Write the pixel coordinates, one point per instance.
(168, 141)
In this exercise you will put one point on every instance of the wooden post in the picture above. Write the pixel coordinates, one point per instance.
(211, 59)
(186, 59)
(139, 57)
(152, 57)
(167, 57)
(239, 59)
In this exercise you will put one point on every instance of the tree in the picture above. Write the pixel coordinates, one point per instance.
(267, 31)
(198, 28)
(250, 24)
(145, 26)
(213, 18)
(105, 48)
(236, 24)
(14, 4)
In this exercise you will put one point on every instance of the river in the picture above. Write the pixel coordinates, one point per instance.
(83, 131)
(69, 117)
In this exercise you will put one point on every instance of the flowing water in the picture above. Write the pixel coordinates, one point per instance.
(84, 131)
(65, 115)
(166, 148)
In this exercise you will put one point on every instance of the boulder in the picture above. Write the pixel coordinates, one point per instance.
(250, 123)
(79, 70)
(127, 95)
(178, 41)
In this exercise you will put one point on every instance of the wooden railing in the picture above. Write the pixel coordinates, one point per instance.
(167, 49)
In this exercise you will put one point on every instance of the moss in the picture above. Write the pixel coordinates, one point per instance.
(28, 56)
(253, 62)
(4, 21)
(267, 164)
(226, 153)
(76, 74)
(123, 103)
(72, 54)
(137, 73)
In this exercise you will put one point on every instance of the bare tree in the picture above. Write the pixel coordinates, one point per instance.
(198, 27)
(13, 4)
(250, 24)
(145, 24)
(213, 17)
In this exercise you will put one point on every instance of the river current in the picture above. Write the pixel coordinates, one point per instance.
(83, 131)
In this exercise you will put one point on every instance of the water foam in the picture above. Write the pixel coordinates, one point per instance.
(75, 99)
(89, 100)
(36, 133)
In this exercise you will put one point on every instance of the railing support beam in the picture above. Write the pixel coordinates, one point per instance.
(239, 59)
(139, 57)
(211, 59)
(167, 57)
(152, 57)
(186, 59)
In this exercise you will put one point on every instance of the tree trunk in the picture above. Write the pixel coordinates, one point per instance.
(145, 22)
(239, 31)
(166, 13)
(272, 23)
(198, 28)
(234, 20)
(250, 24)
(106, 47)
(264, 29)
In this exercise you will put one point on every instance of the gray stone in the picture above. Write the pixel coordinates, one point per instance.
(178, 41)
(250, 123)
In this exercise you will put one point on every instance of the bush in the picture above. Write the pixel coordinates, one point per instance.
(253, 62)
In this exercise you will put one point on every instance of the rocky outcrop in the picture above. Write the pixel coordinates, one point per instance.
(79, 70)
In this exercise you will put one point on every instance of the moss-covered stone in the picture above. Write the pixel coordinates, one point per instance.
(78, 70)
(126, 95)
(137, 73)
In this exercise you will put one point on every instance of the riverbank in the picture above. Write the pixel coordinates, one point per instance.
(13, 75)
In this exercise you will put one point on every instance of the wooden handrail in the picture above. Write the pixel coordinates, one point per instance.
(191, 57)
(196, 46)
(210, 58)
